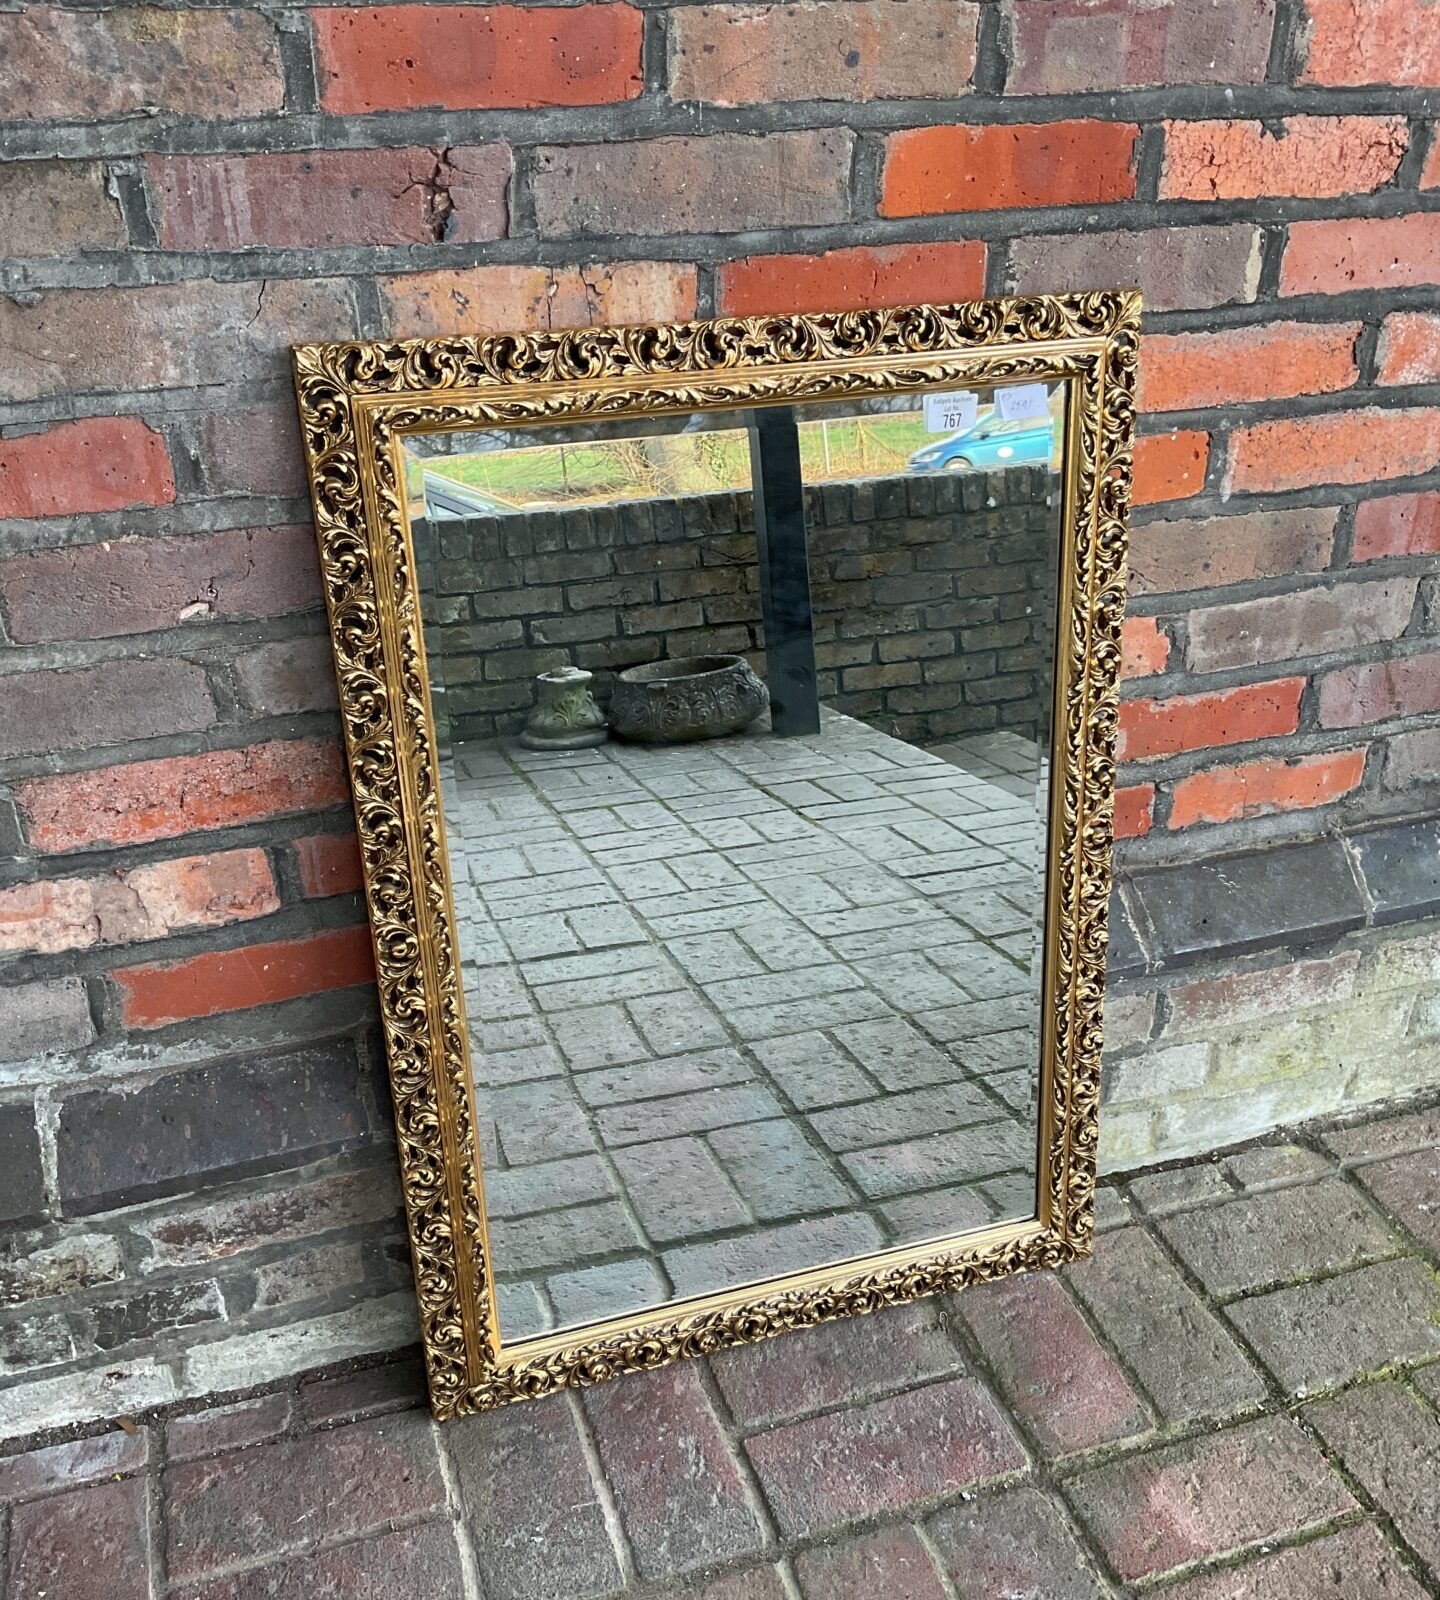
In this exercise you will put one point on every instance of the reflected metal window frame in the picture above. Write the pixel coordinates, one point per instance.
(358, 402)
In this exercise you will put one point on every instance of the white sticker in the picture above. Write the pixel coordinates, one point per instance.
(951, 413)
(1019, 400)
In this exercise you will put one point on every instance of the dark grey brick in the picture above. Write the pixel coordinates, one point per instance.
(22, 1183)
(1295, 896)
(1401, 866)
(128, 1142)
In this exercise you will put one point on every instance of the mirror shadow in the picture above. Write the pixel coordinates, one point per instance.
(744, 727)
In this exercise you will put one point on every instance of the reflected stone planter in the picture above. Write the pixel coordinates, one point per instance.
(695, 697)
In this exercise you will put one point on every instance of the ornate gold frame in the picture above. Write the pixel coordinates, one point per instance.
(357, 401)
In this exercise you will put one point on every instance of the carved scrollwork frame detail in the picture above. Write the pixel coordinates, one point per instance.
(357, 401)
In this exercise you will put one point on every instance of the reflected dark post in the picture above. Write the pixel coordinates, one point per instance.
(784, 571)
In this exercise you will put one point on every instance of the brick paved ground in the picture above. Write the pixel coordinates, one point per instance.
(1235, 1400)
(744, 1006)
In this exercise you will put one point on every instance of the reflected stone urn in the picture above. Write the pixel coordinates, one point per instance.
(565, 715)
(694, 697)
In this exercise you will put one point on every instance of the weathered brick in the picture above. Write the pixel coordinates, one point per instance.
(109, 1560)
(1387, 1441)
(1184, 1356)
(398, 58)
(1409, 349)
(44, 1018)
(56, 208)
(1313, 621)
(247, 1220)
(840, 1362)
(865, 275)
(535, 1515)
(1170, 556)
(1406, 687)
(891, 1561)
(1169, 466)
(251, 975)
(1409, 1187)
(22, 1182)
(819, 50)
(1245, 997)
(1049, 1365)
(287, 676)
(100, 591)
(1262, 788)
(1383, 41)
(116, 63)
(1335, 256)
(1391, 1136)
(1187, 371)
(342, 1482)
(150, 800)
(979, 168)
(137, 903)
(1271, 1238)
(1079, 46)
(68, 1466)
(1257, 1481)
(1347, 447)
(1150, 728)
(883, 1456)
(1016, 1544)
(1397, 525)
(1307, 156)
(1134, 810)
(120, 1144)
(496, 299)
(1430, 173)
(142, 1315)
(328, 863)
(716, 184)
(331, 197)
(421, 1560)
(221, 1428)
(100, 464)
(679, 1492)
(1355, 1562)
(105, 705)
(1176, 269)
(254, 451)
(163, 336)
(1145, 649)
(1317, 1334)
(396, 1386)
(1411, 758)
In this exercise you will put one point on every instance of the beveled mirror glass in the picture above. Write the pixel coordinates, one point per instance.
(730, 710)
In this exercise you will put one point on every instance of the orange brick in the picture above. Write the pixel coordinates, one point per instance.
(498, 299)
(1397, 525)
(402, 57)
(962, 168)
(1410, 348)
(1371, 41)
(1348, 447)
(100, 464)
(865, 276)
(1134, 810)
(329, 863)
(732, 55)
(1190, 371)
(1144, 649)
(1430, 173)
(1151, 728)
(1311, 156)
(148, 800)
(236, 980)
(139, 903)
(1170, 466)
(1335, 256)
(1263, 787)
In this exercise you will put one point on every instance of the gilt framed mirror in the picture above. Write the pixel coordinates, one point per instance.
(730, 710)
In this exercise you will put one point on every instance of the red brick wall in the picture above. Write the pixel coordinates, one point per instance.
(192, 189)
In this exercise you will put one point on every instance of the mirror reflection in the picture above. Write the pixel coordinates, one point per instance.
(744, 722)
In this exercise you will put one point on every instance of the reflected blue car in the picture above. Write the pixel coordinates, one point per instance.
(990, 443)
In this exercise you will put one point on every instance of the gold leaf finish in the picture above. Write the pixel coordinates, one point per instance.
(357, 403)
